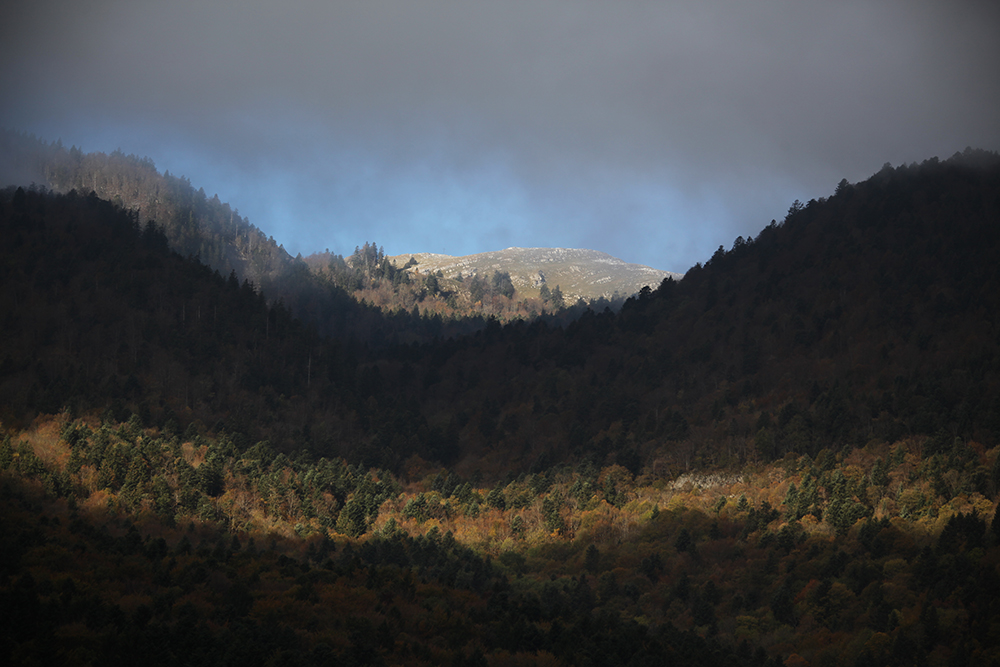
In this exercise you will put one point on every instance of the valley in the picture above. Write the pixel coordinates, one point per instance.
(790, 455)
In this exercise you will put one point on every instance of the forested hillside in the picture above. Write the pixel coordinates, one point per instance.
(789, 456)
(194, 224)
(337, 294)
(871, 314)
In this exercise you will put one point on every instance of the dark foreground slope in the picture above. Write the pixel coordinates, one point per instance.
(100, 315)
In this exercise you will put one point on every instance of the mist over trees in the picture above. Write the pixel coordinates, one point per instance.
(341, 296)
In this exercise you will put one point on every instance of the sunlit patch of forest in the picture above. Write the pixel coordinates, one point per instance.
(120, 535)
(372, 278)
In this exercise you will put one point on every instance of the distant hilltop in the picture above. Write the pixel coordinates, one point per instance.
(580, 274)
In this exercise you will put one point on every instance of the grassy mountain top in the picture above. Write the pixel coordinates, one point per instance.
(580, 274)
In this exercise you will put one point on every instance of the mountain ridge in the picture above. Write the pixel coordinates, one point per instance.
(202, 226)
(579, 273)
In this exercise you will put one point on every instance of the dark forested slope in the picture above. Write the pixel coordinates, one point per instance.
(868, 314)
(100, 314)
(871, 314)
(193, 223)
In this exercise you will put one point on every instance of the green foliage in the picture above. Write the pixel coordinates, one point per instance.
(353, 520)
(495, 499)
(6, 453)
(551, 511)
(517, 526)
(502, 285)
(416, 508)
(556, 298)
(209, 478)
(206, 509)
(27, 463)
(879, 474)
(843, 513)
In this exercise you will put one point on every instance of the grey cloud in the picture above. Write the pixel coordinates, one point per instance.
(530, 122)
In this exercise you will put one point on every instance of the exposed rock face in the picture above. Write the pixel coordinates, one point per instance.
(580, 274)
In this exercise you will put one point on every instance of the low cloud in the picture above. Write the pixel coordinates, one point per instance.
(653, 131)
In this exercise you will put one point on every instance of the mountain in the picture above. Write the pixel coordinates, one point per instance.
(789, 456)
(325, 289)
(194, 223)
(865, 314)
(869, 313)
(580, 274)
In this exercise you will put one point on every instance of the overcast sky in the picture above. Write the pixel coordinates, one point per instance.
(652, 130)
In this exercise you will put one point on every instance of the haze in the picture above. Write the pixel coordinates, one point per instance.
(654, 131)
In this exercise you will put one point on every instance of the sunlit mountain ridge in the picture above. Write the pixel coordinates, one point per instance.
(579, 274)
